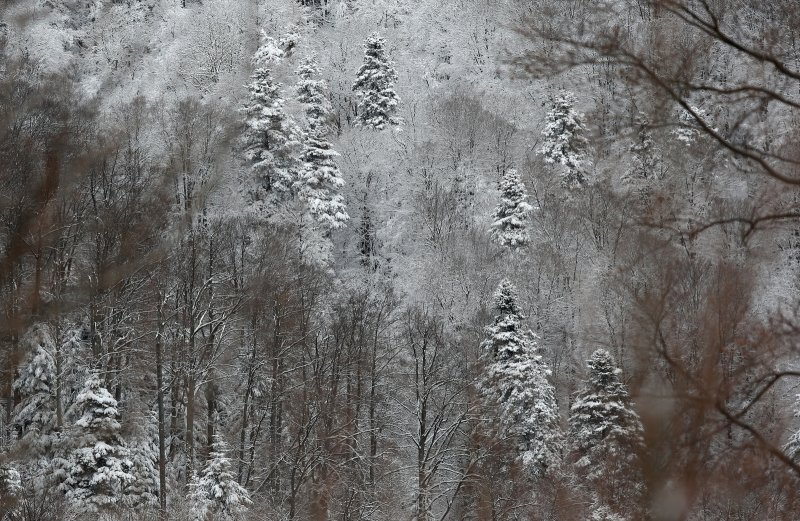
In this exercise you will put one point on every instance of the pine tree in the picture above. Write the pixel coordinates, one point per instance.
(644, 158)
(606, 435)
(215, 494)
(564, 142)
(320, 179)
(510, 216)
(271, 139)
(75, 352)
(268, 53)
(34, 416)
(143, 490)
(312, 93)
(516, 385)
(10, 489)
(375, 87)
(98, 467)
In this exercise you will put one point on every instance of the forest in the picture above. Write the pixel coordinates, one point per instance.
(416, 260)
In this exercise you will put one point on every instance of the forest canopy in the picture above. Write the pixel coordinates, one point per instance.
(363, 260)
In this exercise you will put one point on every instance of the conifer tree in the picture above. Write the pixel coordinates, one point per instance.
(644, 160)
(564, 141)
(75, 353)
(34, 416)
(215, 494)
(516, 385)
(271, 139)
(269, 52)
(98, 467)
(10, 489)
(605, 436)
(143, 447)
(511, 215)
(374, 87)
(312, 93)
(320, 179)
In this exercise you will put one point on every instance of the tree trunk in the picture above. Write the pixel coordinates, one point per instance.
(162, 463)
(190, 403)
(59, 381)
(246, 406)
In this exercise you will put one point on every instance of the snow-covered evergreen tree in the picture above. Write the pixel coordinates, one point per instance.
(76, 354)
(271, 138)
(143, 447)
(374, 87)
(516, 385)
(320, 180)
(606, 435)
(564, 141)
(215, 494)
(268, 53)
(98, 467)
(511, 215)
(644, 157)
(10, 487)
(312, 92)
(34, 416)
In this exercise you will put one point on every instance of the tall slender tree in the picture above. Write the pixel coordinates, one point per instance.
(35, 414)
(319, 177)
(271, 138)
(375, 87)
(215, 494)
(10, 489)
(515, 384)
(98, 467)
(606, 437)
(511, 215)
(564, 141)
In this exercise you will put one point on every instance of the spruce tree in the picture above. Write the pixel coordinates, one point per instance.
(75, 353)
(644, 156)
(312, 92)
(606, 436)
(319, 180)
(143, 447)
(215, 494)
(511, 215)
(374, 87)
(269, 52)
(35, 414)
(564, 141)
(10, 489)
(271, 139)
(98, 467)
(516, 385)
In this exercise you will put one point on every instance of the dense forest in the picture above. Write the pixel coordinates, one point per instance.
(378, 260)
